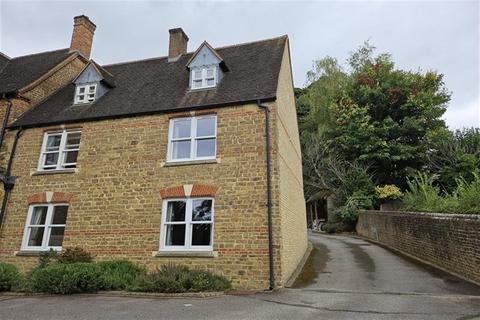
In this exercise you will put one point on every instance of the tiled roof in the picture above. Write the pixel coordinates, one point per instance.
(157, 85)
(21, 71)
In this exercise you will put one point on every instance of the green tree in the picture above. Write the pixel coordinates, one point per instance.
(372, 113)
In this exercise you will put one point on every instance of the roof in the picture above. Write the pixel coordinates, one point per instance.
(21, 71)
(157, 85)
(322, 194)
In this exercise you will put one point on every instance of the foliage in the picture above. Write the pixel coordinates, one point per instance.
(119, 274)
(371, 116)
(9, 277)
(454, 155)
(175, 279)
(67, 278)
(424, 195)
(349, 212)
(73, 255)
(388, 192)
(46, 258)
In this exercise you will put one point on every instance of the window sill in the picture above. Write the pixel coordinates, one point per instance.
(191, 162)
(31, 253)
(185, 254)
(47, 172)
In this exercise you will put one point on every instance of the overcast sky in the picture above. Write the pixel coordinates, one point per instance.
(431, 35)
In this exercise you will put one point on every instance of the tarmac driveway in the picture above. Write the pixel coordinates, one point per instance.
(347, 278)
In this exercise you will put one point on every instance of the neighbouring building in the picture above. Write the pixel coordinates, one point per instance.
(158, 161)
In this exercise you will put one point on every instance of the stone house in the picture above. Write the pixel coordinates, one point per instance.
(192, 158)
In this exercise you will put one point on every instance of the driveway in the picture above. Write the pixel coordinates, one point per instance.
(347, 278)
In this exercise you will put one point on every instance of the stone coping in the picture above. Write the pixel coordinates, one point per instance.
(471, 216)
(194, 295)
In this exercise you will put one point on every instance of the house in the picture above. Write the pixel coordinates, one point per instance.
(192, 158)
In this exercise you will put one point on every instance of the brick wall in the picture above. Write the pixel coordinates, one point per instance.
(292, 202)
(448, 241)
(115, 208)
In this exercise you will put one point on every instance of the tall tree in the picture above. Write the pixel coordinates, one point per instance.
(372, 113)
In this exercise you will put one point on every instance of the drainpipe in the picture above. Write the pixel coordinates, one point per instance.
(8, 181)
(5, 121)
(269, 193)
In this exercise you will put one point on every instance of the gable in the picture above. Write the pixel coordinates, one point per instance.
(204, 57)
(88, 75)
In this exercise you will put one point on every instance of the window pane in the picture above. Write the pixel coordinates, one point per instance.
(210, 82)
(39, 215)
(205, 147)
(197, 83)
(53, 142)
(181, 149)
(81, 90)
(56, 236)
(175, 235)
(181, 128)
(176, 211)
(81, 97)
(201, 234)
(197, 74)
(206, 127)
(51, 159)
(210, 73)
(60, 215)
(73, 140)
(202, 210)
(71, 157)
(91, 89)
(35, 237)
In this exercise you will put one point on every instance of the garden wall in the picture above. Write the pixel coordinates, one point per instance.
(450, 242)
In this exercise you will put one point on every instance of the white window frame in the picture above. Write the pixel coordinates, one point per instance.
(48, 227)
(203, 77)
(62, 151)
(85, 99)
(188, 226)
(192, 138)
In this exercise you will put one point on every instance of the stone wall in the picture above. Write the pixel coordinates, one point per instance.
(450, 242)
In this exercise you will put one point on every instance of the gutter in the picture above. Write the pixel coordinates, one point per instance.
(7, 179)
(269, 193)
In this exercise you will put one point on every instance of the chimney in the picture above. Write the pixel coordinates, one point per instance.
(82, 36)
(178, 43)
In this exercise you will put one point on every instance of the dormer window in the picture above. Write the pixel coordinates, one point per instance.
(204, 77)
(85, 93)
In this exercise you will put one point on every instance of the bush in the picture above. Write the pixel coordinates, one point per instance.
(45, 258)
(74, 255)
(9, 277)
(349, 212)
(388, 192)
(176, 279)
(119, 274)
(67, 278)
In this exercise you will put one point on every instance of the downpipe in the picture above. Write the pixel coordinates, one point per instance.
(269, 193)
(7, 179)
(5, 121)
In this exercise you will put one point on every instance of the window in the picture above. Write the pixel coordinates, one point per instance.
(187, 224)
(85, 93)
(45, 227)
(60, 150)
(204, 77)
(192, 138)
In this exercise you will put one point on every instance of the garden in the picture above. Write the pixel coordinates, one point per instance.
(75, 271)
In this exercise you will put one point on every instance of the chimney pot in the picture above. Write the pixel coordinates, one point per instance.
(178, 43)
(82, 36)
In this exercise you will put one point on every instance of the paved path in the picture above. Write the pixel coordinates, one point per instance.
(348, 278)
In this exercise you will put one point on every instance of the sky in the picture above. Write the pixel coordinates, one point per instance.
(428, 35)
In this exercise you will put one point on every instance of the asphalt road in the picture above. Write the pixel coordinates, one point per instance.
(347, 278)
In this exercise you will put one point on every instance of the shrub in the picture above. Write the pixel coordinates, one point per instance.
(175, 279)
(9, 277)
(388, 192)
(73, 255)
(45, 258)
(349, 212)
(119, 274)
(67, 278)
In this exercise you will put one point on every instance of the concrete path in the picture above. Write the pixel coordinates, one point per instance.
(347, 278)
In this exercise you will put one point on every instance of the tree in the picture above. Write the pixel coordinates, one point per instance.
(372, 114)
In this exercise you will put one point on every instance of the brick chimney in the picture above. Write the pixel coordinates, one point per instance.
(178, 43)
(82, 36)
